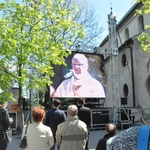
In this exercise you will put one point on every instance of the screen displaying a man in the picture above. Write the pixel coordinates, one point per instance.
(81, 83)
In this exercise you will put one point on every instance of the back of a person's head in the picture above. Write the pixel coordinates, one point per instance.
(72, 110)
(111, 128)
(81, 101)
(56, 102)
(38, 114)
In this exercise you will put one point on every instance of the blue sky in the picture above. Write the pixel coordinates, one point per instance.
(102, 8)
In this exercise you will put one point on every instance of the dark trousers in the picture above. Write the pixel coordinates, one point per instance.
(3, 142)
(87, 143)
(54, 147)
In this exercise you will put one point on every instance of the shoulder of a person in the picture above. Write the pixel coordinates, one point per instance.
(109, 141)
(26, 126)
(130, 130)
(60, 110)
(63, 112)
(45, 127)
(85, 108)
(3, 109)
(82, 123)
(126, 133)
(61, 124)
(102, 140)
(93, 81)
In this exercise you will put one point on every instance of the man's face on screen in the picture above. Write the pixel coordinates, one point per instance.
(79, 67)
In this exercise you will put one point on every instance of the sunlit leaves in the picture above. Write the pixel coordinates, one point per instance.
(146, 7)
(145, 36)
(145, 42)
(32, 40)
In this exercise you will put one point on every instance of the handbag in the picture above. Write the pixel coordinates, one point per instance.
(8, 135)
(23, 142)
(143, 138)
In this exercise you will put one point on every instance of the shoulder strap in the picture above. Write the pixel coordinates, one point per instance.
(143, 138)
(26, 129)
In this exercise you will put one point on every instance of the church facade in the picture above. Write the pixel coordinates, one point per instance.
(132, 64)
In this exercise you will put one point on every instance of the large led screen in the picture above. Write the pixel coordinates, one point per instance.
(82, 77)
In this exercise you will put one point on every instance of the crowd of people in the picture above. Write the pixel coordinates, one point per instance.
(55, 129)
(59, 130)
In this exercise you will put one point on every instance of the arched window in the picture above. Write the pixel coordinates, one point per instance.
(125, 90)
(126, 34)
(140, 24)
(124, 60)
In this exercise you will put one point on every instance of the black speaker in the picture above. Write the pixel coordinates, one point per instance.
(100, 117)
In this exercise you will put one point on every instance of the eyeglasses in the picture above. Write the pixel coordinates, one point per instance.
(79, 65)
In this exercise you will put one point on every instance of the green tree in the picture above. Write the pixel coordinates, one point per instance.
(145, 36)
(32, 40)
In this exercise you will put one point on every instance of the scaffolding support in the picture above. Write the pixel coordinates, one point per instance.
(112, 52)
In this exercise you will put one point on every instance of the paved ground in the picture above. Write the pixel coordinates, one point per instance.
(94, 137)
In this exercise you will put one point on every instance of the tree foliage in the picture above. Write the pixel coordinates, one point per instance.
(145, 36)
(32, 40)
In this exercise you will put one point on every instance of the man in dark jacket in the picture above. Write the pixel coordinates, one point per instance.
(84, 114)
(54, 117)
(110, 132)
(5, 122)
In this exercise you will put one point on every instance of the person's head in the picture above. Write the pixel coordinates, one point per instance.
(72, 110)
(56, 103)
(80, 101)
(79, 65)
(111, 128)
(38, 114)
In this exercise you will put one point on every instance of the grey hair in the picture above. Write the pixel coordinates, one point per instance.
(111, 128)
(72, 110)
